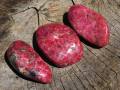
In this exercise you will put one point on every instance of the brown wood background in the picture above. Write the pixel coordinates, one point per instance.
(98, 70)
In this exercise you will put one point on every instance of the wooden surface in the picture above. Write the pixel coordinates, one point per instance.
(98, 70)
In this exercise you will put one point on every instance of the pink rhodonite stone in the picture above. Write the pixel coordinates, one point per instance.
(60, 44)
(27, 62)
(89, 24)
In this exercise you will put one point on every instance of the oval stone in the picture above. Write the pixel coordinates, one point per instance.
(27, 62)
(60, 44)
(89, 24)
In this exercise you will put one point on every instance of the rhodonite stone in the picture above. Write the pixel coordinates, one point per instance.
(27, 62)
(89, 24)
(60, 44)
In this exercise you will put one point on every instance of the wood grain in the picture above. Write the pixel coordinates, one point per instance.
(98, 70)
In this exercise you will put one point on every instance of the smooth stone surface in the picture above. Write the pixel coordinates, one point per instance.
(27, 62)
(60, 44)
(89, 24)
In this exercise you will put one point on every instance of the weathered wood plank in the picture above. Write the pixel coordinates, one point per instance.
(85, 82)
(114, 61)
(17, 29)
(99, 68)
(77, 82)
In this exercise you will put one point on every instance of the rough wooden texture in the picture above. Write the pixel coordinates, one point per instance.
(98, 70)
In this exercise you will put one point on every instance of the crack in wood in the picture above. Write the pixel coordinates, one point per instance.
(73, 2)
(101, 61)
(85, 77)
(37, 12)
(79, 79)
(106, 58)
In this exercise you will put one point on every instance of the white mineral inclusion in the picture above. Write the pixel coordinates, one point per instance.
(62, 55)
(69, 51)
(71, 48)
(56, 37)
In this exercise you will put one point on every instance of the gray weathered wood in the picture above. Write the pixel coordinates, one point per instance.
(98, 70)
